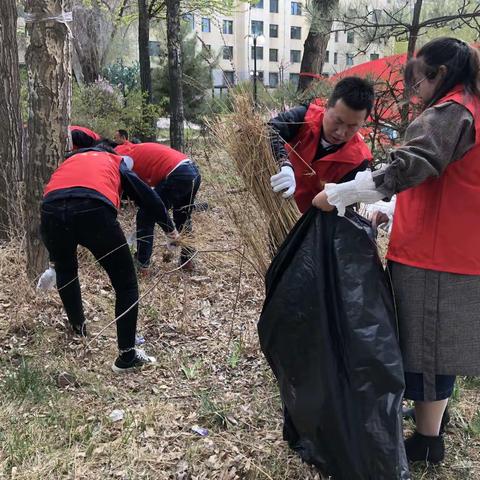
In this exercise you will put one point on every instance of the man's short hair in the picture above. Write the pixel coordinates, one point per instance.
(356, 92)
(123, 133)
(81, 139)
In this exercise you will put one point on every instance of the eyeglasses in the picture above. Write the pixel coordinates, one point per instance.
(416, 85)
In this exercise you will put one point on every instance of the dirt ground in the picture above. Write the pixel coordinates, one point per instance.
(210, 375)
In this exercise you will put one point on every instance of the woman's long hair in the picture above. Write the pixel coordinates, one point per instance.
(461, 60)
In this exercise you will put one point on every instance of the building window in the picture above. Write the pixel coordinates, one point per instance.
(228, 78)
(374, 56)
(349, 59)
(259, 4)
(350, 37)
(327, 56)
(296, 8)
(273, 55)
(273, 79)
(296, 33)
(189, 19)
(257, 27)
(206, 25)
(335, 58)
(336, 36)
(295, 56)
(228, 27)
(227, 53)
(259, 53)
(273, 30)
(273, 6)
(294, 78)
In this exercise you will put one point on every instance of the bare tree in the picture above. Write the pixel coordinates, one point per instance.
(94, 27)
(403, 22)
(48, 59)
(143, 49)
(321, 13)
(174, 46)
(11, 144)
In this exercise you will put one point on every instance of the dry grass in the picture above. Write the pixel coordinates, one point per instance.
(211, 373)
(263, 218)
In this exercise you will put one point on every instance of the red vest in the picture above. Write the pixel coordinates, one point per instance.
(152, 162)
(85, 130)
(435, 224)
(311, 174)
(96, 170)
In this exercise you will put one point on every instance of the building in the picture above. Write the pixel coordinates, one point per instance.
(281, 28)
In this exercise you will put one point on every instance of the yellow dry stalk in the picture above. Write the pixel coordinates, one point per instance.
(262, 217)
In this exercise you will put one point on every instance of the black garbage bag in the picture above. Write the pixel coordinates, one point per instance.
(328, 331)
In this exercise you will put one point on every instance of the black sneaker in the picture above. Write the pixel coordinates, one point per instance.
(409, 414)
(420, 448)
(139, 360)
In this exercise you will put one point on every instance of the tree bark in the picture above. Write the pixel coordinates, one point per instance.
(10, 119)
(143, 50)
(174, 46)
(48, 60)
(316, 42)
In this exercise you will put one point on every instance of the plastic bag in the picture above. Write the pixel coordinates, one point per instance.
(47, 280)
(328, 331)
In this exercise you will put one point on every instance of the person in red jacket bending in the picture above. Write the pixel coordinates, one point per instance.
(176, 179)
(315, 145)
(83, 137)
(80, 207)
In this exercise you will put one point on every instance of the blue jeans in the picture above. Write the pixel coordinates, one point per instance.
(178, 192)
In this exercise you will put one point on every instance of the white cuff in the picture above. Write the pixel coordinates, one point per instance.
(362, 189)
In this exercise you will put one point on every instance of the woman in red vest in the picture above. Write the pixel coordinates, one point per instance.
(434, 251)
(80, 207)
(314, 145)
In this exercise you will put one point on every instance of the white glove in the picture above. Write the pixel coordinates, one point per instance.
(285, 180)
(362, 189)
(48, 280)
(172, 240)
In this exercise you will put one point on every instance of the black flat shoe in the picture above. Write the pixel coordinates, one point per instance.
(420, 448)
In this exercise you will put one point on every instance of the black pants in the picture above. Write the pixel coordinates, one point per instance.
(67, 223)
(178, 192)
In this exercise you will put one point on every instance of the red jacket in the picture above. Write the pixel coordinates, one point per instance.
(311, 174)
(435, 224)
(152, 162)
(98, 171)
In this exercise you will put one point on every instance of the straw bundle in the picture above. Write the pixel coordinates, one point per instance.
(262, 217)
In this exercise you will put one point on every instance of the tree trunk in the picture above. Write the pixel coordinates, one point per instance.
(316, 42)
(143, 50)
(414, 29)
(48, 60)
(175, 74)
(11, 144)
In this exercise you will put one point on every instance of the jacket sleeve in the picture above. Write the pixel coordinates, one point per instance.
(439, 136)
(145, 198)
(282, 129)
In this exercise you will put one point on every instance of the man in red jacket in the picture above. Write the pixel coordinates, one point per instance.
(176, 180)
(315, 145)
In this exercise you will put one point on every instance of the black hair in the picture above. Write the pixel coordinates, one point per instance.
(106, 145)
(123, 133)
(356, 92)
(461, 60)
(81, 139)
